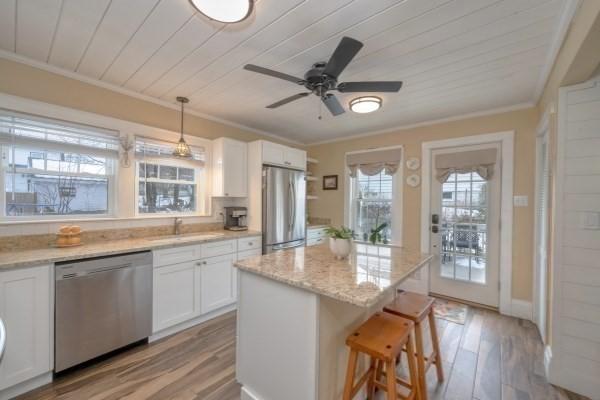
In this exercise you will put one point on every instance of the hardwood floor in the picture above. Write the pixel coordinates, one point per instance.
(491, 357)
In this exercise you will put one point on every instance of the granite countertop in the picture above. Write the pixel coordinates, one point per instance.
(27, 258)
(363, 279)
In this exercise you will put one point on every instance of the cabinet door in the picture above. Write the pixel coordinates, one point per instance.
(273, 153)
(176, 295)
(235, 167)
(25, 308)
(217, 282)
(295, 158)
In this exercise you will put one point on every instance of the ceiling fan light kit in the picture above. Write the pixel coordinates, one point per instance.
(227, 11)
(365, 104)
(323, 78)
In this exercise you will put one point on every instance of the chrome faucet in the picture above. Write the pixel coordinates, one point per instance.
(178, 223)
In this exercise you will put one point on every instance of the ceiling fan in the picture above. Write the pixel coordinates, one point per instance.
(323, 77)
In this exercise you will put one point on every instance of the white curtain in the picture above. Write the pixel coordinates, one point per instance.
(373, 162)
(480, 161)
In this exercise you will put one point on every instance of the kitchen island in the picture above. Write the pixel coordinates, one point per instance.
(296, 308)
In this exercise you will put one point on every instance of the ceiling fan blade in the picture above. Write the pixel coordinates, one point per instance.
(333, 104)
(270, 72)
(288, 100)
(389, 86)
(343, 54)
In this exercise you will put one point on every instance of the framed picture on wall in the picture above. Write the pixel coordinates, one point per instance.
(330, 182)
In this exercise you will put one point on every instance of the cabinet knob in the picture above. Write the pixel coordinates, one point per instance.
(226, 194)
(250, 243)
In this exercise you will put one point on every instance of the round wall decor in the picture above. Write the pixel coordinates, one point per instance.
(413, 180)
(413, 163)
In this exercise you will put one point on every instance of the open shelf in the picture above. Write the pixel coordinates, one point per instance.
(311, 197)
(311, 178)
(312, 160)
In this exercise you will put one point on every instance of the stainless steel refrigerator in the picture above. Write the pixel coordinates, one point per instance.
(284, 208)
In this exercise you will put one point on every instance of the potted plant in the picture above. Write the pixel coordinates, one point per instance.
(340, 241)
(375, 236)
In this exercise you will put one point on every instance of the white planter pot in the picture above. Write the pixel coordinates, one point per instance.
(341, 248)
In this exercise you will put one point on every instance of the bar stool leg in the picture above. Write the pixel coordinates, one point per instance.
(412, 370)
(436, 346)
(420, 360)
(350, 372)
(371, 382)
(390, 374)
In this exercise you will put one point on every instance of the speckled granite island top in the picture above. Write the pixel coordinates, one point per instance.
(363, 279)
(26, 258)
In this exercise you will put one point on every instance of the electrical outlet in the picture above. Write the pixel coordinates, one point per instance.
(590, 220)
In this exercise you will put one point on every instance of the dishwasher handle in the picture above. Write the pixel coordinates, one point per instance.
(2, 338)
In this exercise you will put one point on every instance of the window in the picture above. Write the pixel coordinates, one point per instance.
(166, 184)
(374, 200)
(51, 168)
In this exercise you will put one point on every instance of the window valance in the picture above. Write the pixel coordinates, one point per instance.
(373, 162)
(480, 161)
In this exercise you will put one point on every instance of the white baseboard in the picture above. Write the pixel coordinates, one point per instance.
(24, 387)
(521, 309)
(247, 394)
(192, 322)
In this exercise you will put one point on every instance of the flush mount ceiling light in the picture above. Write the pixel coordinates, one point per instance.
(227, 11)
(365, 104)
(182, 149)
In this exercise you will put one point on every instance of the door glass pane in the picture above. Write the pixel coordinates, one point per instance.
(464, 228)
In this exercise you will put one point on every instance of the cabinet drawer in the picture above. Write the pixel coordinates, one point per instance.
(249, 243)
(315, 233)
(219, 248)
(249, 253)
(315, 241)
(176, 255)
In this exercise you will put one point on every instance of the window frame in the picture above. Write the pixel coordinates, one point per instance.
(397, 196)
(200, 177)
(112, 178)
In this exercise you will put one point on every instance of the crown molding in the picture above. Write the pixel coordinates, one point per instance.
(492, 111)
(127, 92)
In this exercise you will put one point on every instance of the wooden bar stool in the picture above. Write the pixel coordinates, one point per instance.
(416, 307)
(382, 337)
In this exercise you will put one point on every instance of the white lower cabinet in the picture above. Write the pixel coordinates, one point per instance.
(217, 280)
(26, 308)
(204, 282)
(176, 294)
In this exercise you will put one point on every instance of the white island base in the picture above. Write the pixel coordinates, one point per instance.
(291, 342)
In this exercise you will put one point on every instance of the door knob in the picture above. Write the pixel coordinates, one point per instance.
(434, 229)
(435, 219)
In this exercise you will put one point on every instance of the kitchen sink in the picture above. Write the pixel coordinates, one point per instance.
(186, 237)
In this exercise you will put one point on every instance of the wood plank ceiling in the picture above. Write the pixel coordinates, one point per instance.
(454, 56)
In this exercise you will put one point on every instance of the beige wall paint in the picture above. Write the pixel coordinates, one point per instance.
(331, 162)
(25, 81)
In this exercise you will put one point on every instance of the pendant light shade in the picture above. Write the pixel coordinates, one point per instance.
(182, 149)
(227, 11)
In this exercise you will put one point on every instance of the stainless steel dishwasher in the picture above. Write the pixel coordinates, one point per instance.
(102, 304)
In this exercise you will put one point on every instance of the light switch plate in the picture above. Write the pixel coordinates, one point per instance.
(590, 220)
(520, 201)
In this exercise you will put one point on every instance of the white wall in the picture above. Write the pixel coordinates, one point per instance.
(575, 360)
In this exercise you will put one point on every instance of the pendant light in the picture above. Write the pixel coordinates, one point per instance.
(227, 11)
(182, 149)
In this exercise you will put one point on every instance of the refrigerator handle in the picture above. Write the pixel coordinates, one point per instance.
(290, 208)
(293, 205)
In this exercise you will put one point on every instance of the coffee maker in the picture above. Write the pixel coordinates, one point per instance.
(235, 218)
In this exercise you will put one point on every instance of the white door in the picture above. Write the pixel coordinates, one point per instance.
(218, 284)
(465, 235)
(541, 234)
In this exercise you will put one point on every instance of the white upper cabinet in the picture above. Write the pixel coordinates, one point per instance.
(229, 168)
(278, 154)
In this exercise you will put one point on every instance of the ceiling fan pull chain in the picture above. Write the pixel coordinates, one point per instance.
(320, 111)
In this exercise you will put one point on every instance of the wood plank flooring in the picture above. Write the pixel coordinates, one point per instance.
(491, 357)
